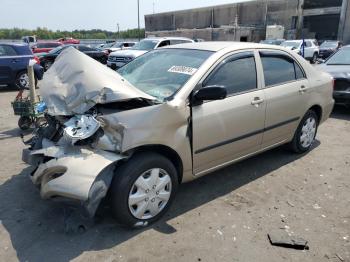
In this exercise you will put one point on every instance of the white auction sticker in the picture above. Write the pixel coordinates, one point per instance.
(183, 70)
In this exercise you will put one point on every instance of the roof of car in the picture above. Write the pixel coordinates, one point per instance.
(219, 45)
(15, 44)
(167, 38)
(299, 40)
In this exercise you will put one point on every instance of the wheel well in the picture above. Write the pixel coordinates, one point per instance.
(168, 152)
(318, 110)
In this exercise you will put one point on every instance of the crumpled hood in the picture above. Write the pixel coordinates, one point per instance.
(336, 71)
(76, 82)
(129, 53)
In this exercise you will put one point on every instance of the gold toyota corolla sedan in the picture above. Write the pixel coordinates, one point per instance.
(168, 117)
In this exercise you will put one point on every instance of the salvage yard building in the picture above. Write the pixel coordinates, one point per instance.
(247, 21)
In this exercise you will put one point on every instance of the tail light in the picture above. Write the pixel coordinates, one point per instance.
(333, 82)
(37, 60)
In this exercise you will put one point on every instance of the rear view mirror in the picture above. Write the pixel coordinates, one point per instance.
(209, 93)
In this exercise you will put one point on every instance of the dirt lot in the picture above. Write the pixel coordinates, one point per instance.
(222, 217)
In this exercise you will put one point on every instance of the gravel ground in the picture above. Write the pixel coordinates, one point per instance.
(225, 216)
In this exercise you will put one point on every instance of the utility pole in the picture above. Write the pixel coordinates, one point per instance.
(138, 18)
(118, 35)
(153, 7)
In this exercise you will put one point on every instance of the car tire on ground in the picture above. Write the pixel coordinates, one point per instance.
(143, 189)
(314, 58)
(24, 122)
(305, 134)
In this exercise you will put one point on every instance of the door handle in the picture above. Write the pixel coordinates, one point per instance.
(257, 101)
(15, 60)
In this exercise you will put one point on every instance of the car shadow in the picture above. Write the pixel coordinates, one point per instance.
(341, 112)
(35, 226)
(15, 132)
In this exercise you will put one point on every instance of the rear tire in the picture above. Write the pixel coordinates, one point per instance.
(143, 189)
(314, 58)
(305, 134)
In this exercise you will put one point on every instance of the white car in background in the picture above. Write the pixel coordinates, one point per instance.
(311, 48)
(120, 58)
(120, 46)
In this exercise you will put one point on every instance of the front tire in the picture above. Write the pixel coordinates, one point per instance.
(306, 132)
(24, 122)
(143, 189)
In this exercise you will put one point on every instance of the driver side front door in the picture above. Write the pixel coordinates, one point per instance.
(229, 129)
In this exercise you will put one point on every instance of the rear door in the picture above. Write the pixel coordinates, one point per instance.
(225, 130)
(287, 93)
(8, 61)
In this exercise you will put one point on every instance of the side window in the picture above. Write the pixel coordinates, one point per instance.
(308, 44)
(299, 74)
(164, 43)
(279, 68)
(85, 48)
(237, 74)
(6, 50)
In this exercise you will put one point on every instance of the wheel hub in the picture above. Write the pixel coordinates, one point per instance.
(150, 193)
(24, 80)
(308, 132)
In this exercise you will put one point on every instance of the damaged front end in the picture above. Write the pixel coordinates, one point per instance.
(74, 153)
(69, 163)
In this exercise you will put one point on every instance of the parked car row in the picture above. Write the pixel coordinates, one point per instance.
(120, 58)
(312, 51)
(47, 59)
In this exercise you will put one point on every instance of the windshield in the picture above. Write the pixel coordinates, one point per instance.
(145, 45)
(108, 45)
(294, 44)
(162, 72)
(342, 57)
(329, 45)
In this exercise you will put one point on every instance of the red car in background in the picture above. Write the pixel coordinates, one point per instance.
(68, 40)
(45, 47)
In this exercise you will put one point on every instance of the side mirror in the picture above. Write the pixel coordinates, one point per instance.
(320, 61)
(209, 93)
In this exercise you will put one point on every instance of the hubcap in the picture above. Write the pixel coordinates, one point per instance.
(308, 132)
(24, 80)
(150, 193)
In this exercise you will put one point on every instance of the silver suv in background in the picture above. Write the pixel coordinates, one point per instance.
(120, 58)
(311, 48)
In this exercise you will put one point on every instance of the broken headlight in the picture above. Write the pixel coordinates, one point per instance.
(87, 130)
(81, 127)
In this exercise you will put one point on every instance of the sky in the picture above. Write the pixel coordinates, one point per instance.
(88, 14)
